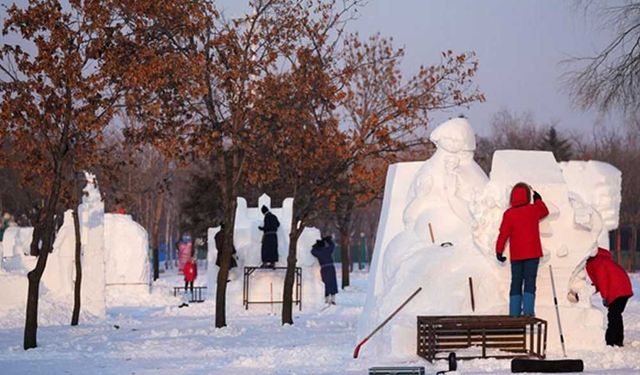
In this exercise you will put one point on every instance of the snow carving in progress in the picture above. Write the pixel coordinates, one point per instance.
(115, 260)
(438, 229)
(265, 284)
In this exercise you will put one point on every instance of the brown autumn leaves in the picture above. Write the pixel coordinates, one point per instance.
(282, 94)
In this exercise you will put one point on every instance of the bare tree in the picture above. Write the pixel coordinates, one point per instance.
(610, 79)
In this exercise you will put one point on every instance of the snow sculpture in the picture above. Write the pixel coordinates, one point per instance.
(440, 194)
(569, 235)
(115, 259)
(127, 257)
(465, 208)
(91, 213)
(266, 285)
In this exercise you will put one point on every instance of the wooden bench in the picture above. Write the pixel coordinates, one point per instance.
(481, 336)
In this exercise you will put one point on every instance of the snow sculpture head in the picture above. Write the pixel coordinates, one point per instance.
(598, 184)
(454, 136)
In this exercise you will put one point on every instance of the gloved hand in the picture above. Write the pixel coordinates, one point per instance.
(501, 258)
(573, 297)
(536, 196)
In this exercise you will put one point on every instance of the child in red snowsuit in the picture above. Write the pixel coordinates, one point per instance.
(613, 283)
(520, 225)
(190, 272)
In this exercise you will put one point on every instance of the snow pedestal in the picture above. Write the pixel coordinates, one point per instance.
(91, 214)
(265, 285)
(465, 208)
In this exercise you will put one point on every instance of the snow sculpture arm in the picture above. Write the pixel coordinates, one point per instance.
(422, 188)
(505, 232)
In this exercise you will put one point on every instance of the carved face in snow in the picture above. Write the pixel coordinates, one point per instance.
(597, 184)
(454, 136)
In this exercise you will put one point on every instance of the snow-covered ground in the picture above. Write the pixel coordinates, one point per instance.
(153, 336)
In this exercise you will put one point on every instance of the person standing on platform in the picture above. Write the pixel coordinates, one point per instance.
(520, 225)
(269, 249)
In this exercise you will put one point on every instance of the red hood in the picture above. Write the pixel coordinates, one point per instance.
(519, 196)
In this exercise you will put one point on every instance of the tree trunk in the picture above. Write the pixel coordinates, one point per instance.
(228, 188)
(289, 278)
(225, 263)
(155, 235)
(46, 225)
(345, 256)
(75, 316)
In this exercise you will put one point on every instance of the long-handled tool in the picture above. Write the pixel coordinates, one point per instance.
(563, 365)
(357, 349)
(555, 302)
(473, 301)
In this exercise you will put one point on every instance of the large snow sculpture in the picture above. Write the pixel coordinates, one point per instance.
(439, 196)
(450, 192)
(567, 239)
(266, 285)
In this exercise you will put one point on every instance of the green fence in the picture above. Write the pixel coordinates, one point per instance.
(359, 254)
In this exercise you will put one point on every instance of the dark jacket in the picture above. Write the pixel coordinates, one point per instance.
(270, 238)
(608, 277)
(323, 250)
(219, 238)
(520, 225)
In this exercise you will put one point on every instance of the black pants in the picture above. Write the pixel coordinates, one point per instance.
(615, 327)
(186, 285)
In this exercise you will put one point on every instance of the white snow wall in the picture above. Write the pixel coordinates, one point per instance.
(266, 285)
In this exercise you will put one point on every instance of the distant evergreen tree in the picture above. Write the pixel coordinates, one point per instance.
(202, 207)
(560, 147)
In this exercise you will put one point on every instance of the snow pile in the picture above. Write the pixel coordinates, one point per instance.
(266, 284)
(438, 227)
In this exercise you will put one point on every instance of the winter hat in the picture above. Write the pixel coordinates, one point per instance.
(264, 209)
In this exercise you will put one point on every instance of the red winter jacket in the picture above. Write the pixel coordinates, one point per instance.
(609, 277)
(190, 271)
(520, 225)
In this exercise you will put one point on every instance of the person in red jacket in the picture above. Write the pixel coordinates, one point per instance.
(613, 283)
(190, 272)
(520, 225)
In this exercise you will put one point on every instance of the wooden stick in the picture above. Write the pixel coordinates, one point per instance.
(357, 349)
(271, 287)
(431, 233)
(473, 302)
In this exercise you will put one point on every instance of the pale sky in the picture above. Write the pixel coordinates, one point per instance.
(519, 45)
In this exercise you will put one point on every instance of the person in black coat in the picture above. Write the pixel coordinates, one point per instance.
(323, 250)
(269, 238)
(219, 238)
